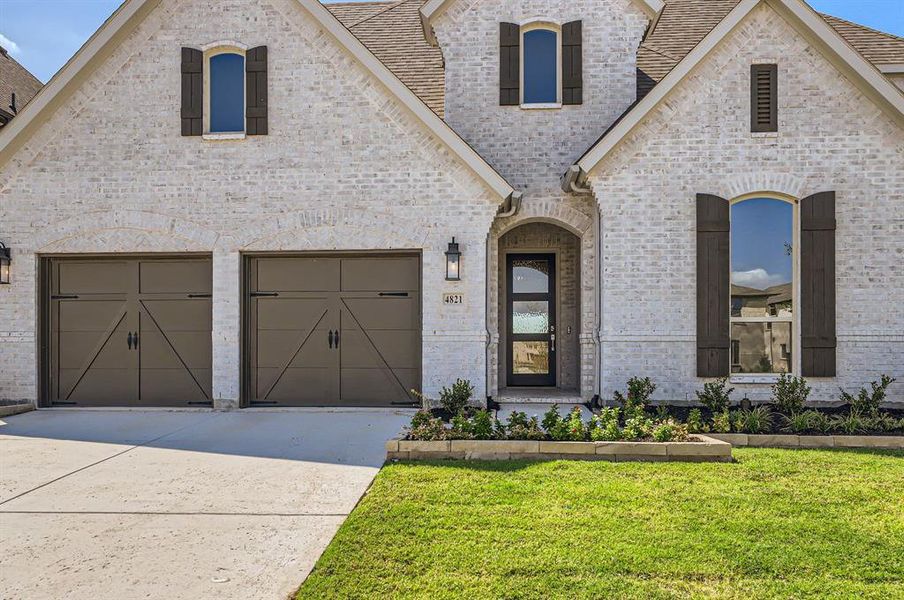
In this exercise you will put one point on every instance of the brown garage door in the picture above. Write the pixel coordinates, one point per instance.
(328, 331)
(129, 332)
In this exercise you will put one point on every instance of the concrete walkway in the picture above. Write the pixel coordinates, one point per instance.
(159, 504)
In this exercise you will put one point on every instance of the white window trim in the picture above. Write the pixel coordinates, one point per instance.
(770, 378)
(557, 29)
(211, 50)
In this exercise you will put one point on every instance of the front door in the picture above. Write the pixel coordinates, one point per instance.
(531, 316)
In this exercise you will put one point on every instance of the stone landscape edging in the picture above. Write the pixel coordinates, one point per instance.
(875, 442)
(706, 449)
(8, 410)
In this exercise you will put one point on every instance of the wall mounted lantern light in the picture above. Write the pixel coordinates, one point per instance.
(4, 263)
(453, 262)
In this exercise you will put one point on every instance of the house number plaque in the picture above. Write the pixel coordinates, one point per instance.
(453, 298)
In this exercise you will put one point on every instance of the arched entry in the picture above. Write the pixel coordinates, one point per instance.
(538, 310)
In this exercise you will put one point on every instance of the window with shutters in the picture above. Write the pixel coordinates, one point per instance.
(224, 91)
(763, 271)
(763, 98)
(541, 66)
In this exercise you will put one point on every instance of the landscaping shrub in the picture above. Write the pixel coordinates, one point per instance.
(721, 422)
(715, 396)
(867, 402)
(637, 426)
(849, 424)
(455, 400)
(883, 423)
(669, 431)
(484, 426)
(799, 422)
(520, 427)
(551, 418)
(604, 426)
(695, 423)
(461, 428)
(755, 420)
(639, 392)
(569, 429)
(426, 427)
(789, 393)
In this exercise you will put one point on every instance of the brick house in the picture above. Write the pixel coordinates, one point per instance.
(278, 202)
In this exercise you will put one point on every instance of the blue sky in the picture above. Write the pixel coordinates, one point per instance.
(760, 228)
(44, 34)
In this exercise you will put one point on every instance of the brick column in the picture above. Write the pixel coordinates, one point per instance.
(226, 332)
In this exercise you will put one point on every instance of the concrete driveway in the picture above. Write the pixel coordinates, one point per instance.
(158, 504)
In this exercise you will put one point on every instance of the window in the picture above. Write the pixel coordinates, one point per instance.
(762, 285)
(540, 66)
(226, 92)
(763, 98)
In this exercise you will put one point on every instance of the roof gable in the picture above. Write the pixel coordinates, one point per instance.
(810, 24)
(132, 12)
(15, 79)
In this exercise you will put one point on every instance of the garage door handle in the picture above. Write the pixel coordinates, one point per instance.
(398, 294)
(199, 295)
(64, 297)
(330, 338)
(259, 294)
(135, 340)
(337, 338)
(129, 340)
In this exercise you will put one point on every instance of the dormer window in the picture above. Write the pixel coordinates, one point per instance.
(541, 66)
(226, 91)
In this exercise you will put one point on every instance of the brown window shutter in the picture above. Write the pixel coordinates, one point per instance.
(713, 286)
(192, 91)
(509, 64)
(572, 79)
(817, 285)
(256, 91)
(763, 98)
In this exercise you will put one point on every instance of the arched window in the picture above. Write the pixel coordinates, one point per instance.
(540, 65)
(762, 285)
(226, 91)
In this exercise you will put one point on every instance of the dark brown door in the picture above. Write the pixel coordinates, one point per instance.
(531, 317)
(130, 332)
(329, 331)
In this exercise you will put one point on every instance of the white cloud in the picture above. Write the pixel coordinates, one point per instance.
(11, 46)
(758, 279)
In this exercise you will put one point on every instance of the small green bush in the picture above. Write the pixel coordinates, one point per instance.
(484, 426)
(455, 400)
(849, 424)
(551, 418)
(425, 427)
(867, 402)
(789, 393)
(883, 423)
(721, 422)
(520, 427)
(570, 429)
(604, 426)
(669, 431)
(800, 422)
(637, 426)
(461, 428)
(639, 392)
(695, 423)
(715, 396)
(755, 420)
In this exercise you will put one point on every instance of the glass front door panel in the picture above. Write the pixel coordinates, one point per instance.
(530, 358)
(530, 316)
(531, 320)
(530, 276)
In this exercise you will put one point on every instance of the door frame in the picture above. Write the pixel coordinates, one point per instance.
(43, 290)
(246, 334)
(552, 298)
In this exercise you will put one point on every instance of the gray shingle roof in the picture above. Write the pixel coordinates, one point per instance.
(15, 78)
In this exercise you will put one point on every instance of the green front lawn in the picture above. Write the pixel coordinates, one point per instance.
(776, 524)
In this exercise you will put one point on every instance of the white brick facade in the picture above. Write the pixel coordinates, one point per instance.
(831, 137)
(344, 166)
